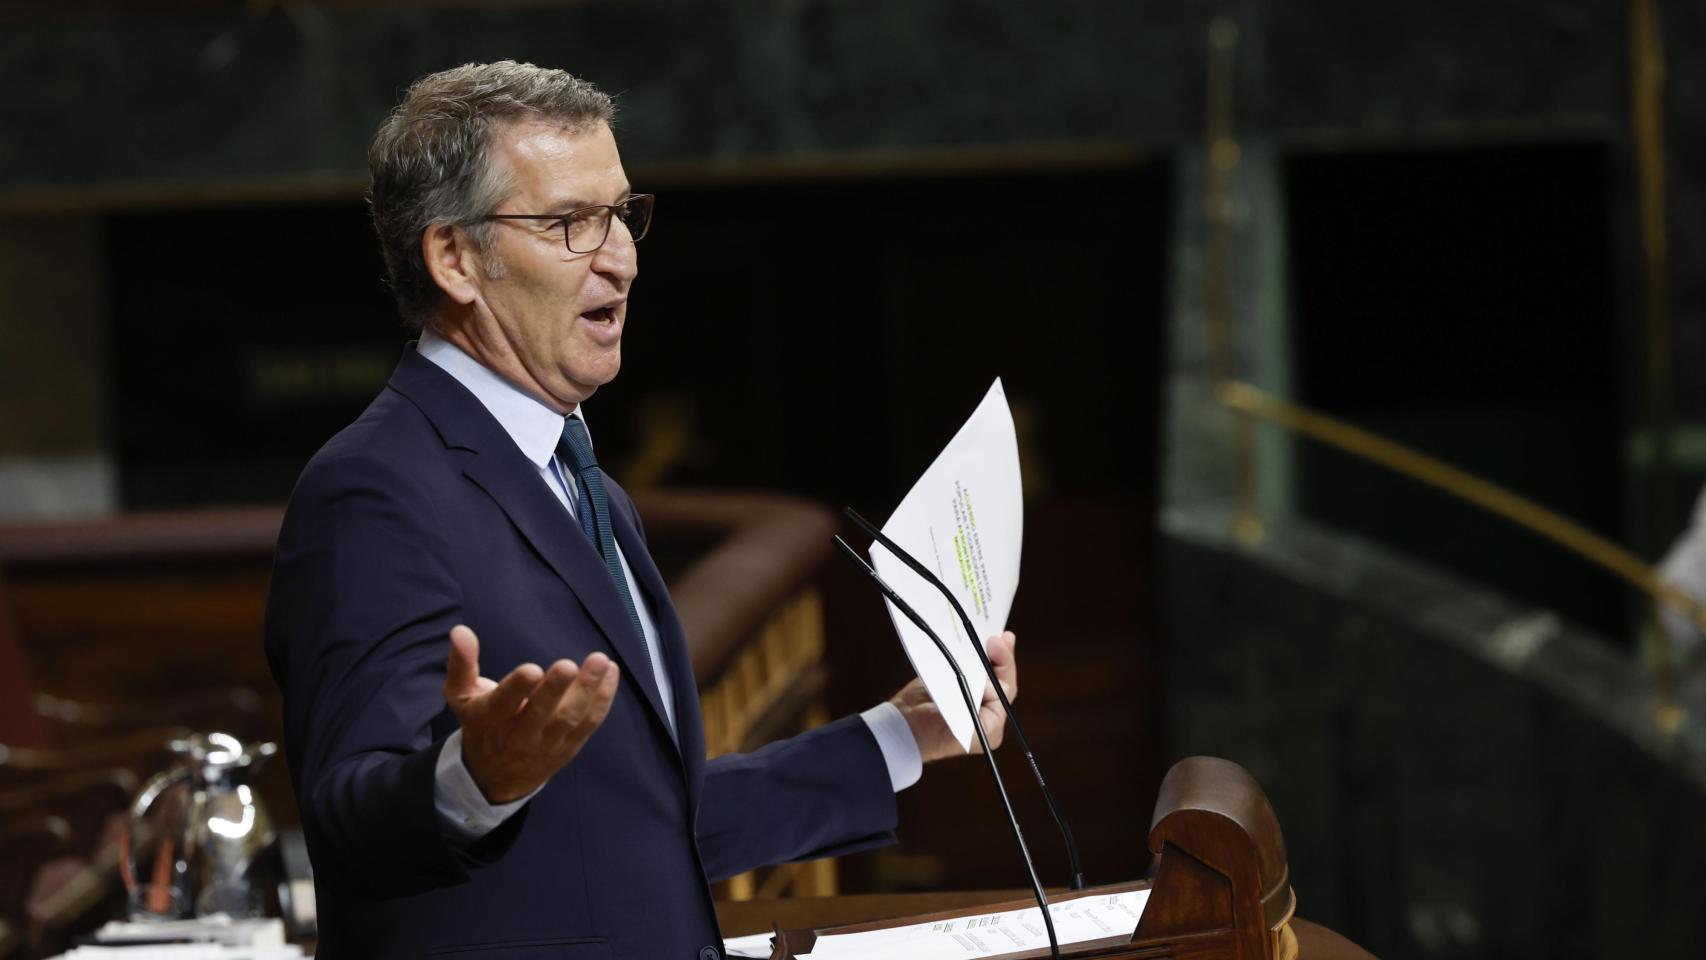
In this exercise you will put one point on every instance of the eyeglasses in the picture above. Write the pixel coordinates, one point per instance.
(585, 229)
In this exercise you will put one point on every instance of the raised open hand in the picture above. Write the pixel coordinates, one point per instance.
(519, 731)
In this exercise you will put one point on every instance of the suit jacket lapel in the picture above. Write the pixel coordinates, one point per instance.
(513, 482)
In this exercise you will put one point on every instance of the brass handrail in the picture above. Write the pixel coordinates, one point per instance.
(1223, 156)
(1560, 530)
(1646, 111)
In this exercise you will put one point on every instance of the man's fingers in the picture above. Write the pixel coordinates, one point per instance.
(592, 696)
(462, 672)
(588, 702)
(1002, 657)
(514, 690)
(547, 698)
(603, 689)
(992, 714)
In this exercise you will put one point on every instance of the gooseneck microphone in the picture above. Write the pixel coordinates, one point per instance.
(971, 632)
(983, 738)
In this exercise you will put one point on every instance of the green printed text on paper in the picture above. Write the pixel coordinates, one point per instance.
(968, 550)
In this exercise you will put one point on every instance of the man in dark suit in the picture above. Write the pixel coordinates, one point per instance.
(564, 810)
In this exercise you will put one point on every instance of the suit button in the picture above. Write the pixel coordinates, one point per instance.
(709, 953)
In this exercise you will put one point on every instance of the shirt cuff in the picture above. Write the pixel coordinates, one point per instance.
(895, 740)
(463, 810)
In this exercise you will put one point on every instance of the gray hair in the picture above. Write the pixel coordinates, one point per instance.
(431, 159)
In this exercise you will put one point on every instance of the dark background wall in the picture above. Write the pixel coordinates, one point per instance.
(1463, 299)
(1458, 775)
(870, 209)
(810, 335)
(147, 107)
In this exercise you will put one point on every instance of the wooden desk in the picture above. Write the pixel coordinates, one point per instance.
(739, 918)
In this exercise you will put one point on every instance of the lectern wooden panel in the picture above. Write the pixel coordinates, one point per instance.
(1220, 887)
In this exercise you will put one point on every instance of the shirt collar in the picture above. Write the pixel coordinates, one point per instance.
(534, 427)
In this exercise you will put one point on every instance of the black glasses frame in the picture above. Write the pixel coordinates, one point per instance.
(636, 208)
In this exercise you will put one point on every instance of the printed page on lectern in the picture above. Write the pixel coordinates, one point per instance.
(991, 934)
(965, 519)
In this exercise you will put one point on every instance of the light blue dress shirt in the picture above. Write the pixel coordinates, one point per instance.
(536, 429)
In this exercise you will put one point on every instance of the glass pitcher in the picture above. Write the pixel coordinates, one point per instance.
(194, 843)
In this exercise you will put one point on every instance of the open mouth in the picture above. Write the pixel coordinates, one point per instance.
(601, 315)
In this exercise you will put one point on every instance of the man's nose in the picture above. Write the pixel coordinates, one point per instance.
(618, 258)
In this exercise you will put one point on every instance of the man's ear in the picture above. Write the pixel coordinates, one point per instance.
(453, 262)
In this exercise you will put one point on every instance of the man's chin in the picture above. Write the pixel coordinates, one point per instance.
(585, 383)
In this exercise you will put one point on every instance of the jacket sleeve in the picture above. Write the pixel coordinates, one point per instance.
(358, 618)
(823, 793)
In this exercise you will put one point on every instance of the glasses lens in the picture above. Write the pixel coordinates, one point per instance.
(636, 214)
(586, 229)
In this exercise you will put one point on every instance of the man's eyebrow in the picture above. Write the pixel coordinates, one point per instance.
(571, 204)
(567, 205)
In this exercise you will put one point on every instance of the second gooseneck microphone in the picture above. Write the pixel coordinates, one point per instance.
(983, 738)
(912, 563)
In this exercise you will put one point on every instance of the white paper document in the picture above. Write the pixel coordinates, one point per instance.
(965, 520)
(992, 934)
(216, 937)
(184, 951)
(751, 945)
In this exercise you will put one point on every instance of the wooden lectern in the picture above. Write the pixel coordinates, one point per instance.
(1220, 887)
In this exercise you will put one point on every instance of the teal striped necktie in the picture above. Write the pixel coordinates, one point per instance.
(593, 508)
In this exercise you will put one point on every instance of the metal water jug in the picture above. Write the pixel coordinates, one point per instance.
(198, 835)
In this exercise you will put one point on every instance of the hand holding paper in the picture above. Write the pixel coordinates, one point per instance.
(935, 740)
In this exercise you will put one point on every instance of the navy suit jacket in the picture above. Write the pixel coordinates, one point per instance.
(424, 514)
